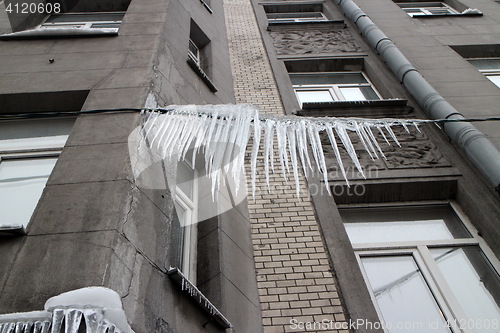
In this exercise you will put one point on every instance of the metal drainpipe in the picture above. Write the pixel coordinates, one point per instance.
(474, 143)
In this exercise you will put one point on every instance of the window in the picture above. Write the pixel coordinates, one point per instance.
(427, 8)
(416, 8)
(111, 20)
(490, 67)
(294, 12)
(28, 153)
(332, 86)
(194, 52)
(50, 19)
(186, 200)
(295, 17)
(426, 268)
(199, 55)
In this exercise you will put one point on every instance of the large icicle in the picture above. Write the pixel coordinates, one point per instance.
(222, 133)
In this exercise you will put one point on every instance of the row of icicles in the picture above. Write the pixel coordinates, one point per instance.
(223, 132)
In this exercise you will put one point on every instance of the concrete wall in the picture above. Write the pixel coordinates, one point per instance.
(426, 168)
(425, 42)
(94, 225)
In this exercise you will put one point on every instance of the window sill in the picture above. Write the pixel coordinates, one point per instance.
(187, 287)
(349, 104)
(447, 15)
(372, 108)
(12, 230)
(306, 22)
(60, 33)
(202, 74)
(207, 6)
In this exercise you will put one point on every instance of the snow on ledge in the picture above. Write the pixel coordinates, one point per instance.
(98, 307)
(94, 296)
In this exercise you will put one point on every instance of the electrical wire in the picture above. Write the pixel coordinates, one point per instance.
(122, 110)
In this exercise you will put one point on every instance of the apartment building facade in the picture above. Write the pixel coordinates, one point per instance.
(73, 82)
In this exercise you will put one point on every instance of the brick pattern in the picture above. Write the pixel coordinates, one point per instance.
(293, 273)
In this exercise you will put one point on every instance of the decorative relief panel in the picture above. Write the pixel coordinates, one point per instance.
(313, 41)
(416, 151)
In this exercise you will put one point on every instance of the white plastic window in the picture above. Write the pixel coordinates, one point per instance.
(296, 17)
(186, 201)
(194, 52)
(84, 20)
(28, 153)
(490, 67)
(332, 86)
(427, 8)
(426, 268)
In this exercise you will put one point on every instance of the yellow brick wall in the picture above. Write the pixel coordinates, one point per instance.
(293, 273)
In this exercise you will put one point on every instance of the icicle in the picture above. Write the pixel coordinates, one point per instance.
(391, 133)
(151, 121)
(302, 141)
(268, 148)
(57, 320)
(346, 141)
(374, 141)
(255, 151)
(314, 145)
(282, 141)
(402, 123)
(362, 139)
(336, 151)
(321, 158)
(8, 327)
(415, 124)
(383, 135)
(164, 128)
(19, 328)
(72, 321)
(29, 327)
(91, 320)
(45, 327)
(293, 155)
(37, 327)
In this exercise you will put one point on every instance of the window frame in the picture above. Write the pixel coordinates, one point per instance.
(81, 24)
(333, 88)
(195, 56)
(189, 230)
(488, 73)
(26, 153)
(67, 29)
(420, 252)
(424, 8)
(321, 18)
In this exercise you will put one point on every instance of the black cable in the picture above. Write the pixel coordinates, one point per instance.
(120, 110)
(73, 113)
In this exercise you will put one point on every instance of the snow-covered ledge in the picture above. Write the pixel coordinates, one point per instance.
(98, 309)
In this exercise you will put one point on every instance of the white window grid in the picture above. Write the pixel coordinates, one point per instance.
(189, 227)
(194, 52)
(420, 252)
(90, 24)
(296, 17)
(427, 8)
(335, 90)
(52, 151)
(493, 73)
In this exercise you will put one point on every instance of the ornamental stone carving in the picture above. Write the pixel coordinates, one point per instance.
(313, 41)
(416, 151)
